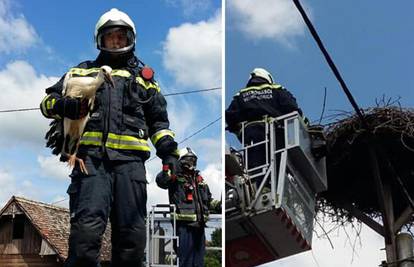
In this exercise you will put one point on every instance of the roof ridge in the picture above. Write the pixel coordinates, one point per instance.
(38, 203)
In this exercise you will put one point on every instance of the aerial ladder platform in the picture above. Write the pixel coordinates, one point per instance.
(161, 228)
(265, 224)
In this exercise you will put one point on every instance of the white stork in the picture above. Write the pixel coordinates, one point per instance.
(84, 88)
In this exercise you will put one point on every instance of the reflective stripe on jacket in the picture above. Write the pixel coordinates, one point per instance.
(258, 100)
(123, 117)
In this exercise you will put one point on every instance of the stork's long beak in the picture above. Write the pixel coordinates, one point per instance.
(108, 78)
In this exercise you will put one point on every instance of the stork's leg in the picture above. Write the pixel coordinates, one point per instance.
(72, 161)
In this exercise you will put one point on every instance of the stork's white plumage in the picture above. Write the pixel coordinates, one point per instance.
(83, 88)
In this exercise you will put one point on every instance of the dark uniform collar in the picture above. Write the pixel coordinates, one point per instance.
(256, 81)
(125, 61)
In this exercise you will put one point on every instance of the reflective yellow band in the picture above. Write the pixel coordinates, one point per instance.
(147, 84)
(92, 134)
(91, 139)
(122, 73)
(126, 142)
(160, 134)
(86, 72)
(188, 217)
(83, 72)
(115, 141)
(176, 153)
(261, 87)
(43, 105)
(47, 105)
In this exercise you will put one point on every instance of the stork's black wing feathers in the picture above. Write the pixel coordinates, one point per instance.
(54, 137)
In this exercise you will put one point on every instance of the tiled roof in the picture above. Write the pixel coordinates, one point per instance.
(53, 225)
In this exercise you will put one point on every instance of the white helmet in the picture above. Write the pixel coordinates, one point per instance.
(114, 20)
(262, 73)
(188, 158)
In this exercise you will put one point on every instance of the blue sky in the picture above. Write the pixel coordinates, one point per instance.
(371, 43)
(40, 40)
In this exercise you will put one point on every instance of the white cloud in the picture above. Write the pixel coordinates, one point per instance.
(267, 19)
(208, 149)
(155, 194)
(11, 187)
(192, 53)
(16, 34)
(52, 167)
(190, 7)
(22, 88)
(213, 177)
(182, 117)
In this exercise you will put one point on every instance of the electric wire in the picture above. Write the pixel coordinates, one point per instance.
(53, 203)
(330, 62)
(193, 134)
(165, 95)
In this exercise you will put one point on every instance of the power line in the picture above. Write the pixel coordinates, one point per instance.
(200, 130)
(194, 91)
(171, 94)
(16, 110)
(193, 134)
(53, 203)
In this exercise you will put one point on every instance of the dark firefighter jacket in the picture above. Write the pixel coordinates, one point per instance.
(257, 100)
(190, 194)
(124, 117)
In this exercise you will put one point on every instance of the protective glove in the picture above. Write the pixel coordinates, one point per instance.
(164, 180)
(72, 108)
(169, 164)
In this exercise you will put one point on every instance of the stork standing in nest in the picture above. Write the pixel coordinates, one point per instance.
(82, 88)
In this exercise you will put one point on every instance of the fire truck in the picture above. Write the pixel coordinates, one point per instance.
(265, 224)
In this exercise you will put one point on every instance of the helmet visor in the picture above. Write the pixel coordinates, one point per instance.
(189, 163)
(116, 40)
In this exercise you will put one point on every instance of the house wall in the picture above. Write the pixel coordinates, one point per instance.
(30, 244)
(29, 261)
(24, 252)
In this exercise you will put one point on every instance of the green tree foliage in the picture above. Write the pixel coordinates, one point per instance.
(213, 257)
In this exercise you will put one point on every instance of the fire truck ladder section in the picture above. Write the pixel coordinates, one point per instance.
(275, 219)
(160, 237)
(162, 234)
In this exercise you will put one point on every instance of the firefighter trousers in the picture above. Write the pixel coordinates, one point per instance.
(114, 190)
(192, 246)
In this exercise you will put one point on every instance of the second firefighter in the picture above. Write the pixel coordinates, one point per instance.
(191, 195)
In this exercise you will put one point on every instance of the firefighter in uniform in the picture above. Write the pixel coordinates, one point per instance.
(113, 146)
(261, 97)
(190, 194)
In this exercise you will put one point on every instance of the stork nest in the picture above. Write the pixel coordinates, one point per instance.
(349, 171)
